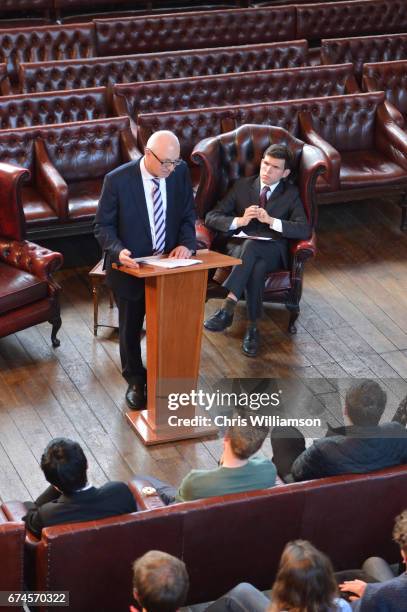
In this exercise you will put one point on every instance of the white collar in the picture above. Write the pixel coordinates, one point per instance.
(145, 174)
(271, 187)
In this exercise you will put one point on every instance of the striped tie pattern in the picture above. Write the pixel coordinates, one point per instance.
(159, 220)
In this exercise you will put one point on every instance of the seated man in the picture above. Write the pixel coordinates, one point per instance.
(267, 206)
(388, 593)
(70, 498)
(361, 447)
(160, 582)
(238, 471)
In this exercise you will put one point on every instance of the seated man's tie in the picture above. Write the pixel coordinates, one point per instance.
(263, 196)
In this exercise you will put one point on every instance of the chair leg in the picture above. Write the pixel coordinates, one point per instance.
(56, 324)
(403, 206)
(294, 313)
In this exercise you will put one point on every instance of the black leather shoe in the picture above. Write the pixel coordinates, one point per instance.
(251, 340)
(219, 321)
(136, 396)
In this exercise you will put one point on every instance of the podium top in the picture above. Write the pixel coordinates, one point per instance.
(210, 259)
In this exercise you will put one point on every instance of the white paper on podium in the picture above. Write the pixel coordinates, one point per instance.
(242, 234)
(168, 263)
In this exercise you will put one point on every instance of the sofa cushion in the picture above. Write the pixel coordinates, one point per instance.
(83, 197)
(367, 169)
(18, 288)
(36, 208)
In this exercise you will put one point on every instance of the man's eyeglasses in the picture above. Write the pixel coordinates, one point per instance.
(167, 163)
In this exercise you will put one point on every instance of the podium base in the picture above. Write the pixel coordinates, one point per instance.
(149, 436)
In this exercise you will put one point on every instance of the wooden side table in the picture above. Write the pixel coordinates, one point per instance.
(97, 278)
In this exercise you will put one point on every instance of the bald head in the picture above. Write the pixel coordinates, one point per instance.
(164, 144)
(161, 146)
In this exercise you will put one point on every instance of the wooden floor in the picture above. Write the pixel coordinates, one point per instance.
(353, 323)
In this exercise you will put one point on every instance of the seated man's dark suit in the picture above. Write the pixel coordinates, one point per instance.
(259, 257)
(122, 222)
(54, 508)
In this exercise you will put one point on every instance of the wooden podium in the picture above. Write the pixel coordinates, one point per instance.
(175, 302)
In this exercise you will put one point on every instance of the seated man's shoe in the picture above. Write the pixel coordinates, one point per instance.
(219, 321)
(136, 396)
(251, 341)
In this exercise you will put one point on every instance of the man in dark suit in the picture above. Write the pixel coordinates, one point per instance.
(263, 206)
(70, 498)
(146, 207)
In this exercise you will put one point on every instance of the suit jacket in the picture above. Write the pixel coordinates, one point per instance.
(122, 221)
(54, 508)
(284, 203)
(353, 450)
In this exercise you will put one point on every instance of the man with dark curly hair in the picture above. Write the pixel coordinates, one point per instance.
(389, 594)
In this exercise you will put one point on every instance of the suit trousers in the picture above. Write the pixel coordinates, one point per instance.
(258, 259)
(242, 598)
(131, 318)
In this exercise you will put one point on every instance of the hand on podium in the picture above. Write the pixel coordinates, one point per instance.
(180, 252)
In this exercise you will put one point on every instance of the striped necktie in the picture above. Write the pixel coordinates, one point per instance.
(159, 220)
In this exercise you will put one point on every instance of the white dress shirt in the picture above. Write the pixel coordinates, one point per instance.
(276, 225)
(148, 191)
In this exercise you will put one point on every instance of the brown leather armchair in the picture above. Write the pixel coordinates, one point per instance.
(225, 158)
(28, 292)
(365, 149)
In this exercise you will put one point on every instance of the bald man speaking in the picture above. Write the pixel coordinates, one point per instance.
(146, 208)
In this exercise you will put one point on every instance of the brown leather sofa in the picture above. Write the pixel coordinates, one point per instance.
(351, 18)
(360, 50)
(12, 555)
(194, 125)
(241, 151)
(390, 77)
(4, 81)
(195, 30)
(348, 517)
(366, 149)
(223, 90)
(95, 72)
(29, 110)
(68, 163)
(76, 10)
(47, 43)
(25, 12)
(28, 292)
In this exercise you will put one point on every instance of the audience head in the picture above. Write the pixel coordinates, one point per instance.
(400, 534)
(276, 164)
(365, 402)
(160, 582)
(64, 465)
(245, 440)
(401, 413)
(162, 153)
(305, 580)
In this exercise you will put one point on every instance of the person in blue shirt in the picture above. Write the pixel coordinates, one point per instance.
(389, 593)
